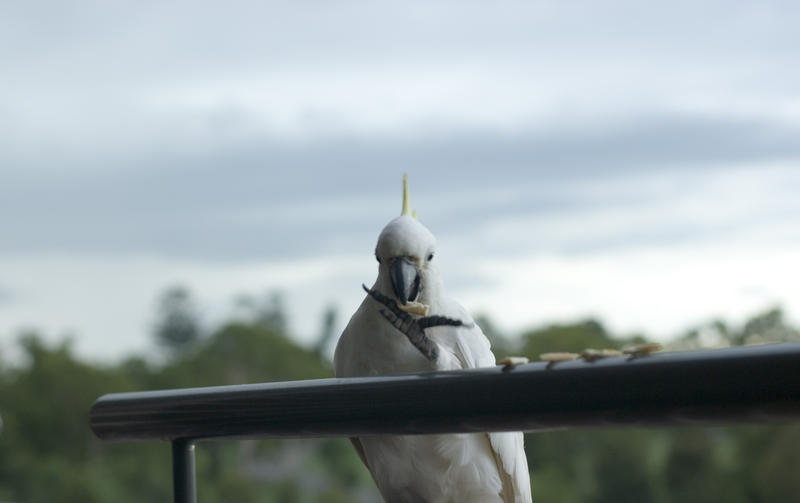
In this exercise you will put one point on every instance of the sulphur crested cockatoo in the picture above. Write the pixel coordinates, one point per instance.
(406, 323)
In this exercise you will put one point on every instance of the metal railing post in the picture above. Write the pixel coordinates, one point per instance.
(184, 484)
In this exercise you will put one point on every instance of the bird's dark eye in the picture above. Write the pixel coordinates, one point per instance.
(430, 257)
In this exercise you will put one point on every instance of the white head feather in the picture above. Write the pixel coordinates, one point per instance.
(405, 237)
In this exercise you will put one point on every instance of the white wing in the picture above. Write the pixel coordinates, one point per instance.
(472, 349)
(512, 465)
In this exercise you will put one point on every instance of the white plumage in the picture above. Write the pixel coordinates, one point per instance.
(480, 467)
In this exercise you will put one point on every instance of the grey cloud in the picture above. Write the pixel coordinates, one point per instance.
(268, 29)
(6, 295)
(124, 49)
(266, 199)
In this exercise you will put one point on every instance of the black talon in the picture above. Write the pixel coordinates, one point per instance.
(437, 321)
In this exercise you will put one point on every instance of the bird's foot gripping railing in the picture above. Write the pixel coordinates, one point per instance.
(745, 384)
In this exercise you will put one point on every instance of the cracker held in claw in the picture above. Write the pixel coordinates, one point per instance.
(415, 308)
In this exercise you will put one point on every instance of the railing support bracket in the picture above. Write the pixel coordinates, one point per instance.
(183, 471)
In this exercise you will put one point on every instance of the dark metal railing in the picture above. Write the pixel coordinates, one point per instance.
(744, 384)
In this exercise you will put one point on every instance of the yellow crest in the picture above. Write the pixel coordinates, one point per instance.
(406, 204)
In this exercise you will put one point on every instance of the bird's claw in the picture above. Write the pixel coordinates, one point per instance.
(413, 328)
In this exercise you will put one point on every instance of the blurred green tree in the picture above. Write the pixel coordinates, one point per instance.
(47, 452)
(327, 332)
(177, 326)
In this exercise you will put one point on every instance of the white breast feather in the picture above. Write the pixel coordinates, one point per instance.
(476, 468)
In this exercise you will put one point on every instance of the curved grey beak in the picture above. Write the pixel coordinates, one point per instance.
(405, 280)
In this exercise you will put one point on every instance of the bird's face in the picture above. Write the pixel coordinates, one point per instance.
(406, 250)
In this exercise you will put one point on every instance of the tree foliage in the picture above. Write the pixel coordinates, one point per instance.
(47, 452)
(177, 328)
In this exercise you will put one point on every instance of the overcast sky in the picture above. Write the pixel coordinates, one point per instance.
(639, 163)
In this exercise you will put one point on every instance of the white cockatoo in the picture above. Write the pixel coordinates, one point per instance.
(406, 323)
